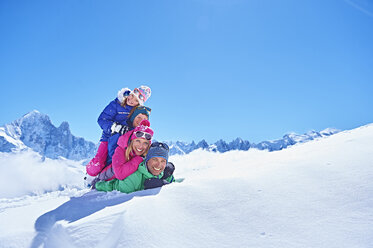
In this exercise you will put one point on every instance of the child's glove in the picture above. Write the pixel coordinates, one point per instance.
(118, 128)
(152, 183)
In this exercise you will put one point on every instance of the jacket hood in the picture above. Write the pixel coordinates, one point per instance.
(120, 94)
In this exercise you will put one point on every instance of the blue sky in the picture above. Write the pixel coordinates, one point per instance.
(218, 69)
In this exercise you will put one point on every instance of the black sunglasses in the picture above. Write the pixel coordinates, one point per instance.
(160, 144)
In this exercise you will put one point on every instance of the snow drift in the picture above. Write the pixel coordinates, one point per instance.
(316, 194)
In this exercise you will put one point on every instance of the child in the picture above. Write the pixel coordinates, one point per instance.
(132, 147)
(113, 119)
(139, 113)
(152, 168)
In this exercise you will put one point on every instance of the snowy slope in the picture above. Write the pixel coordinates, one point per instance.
(315, 194)
(8, 143)
(28, 173)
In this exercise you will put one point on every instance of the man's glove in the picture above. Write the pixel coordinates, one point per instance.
(118, 128)
(168, 170)
(152, 183)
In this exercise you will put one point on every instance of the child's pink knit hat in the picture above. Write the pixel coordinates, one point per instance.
(142, 94)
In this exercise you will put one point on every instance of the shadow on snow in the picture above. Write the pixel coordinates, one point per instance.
(80, 207)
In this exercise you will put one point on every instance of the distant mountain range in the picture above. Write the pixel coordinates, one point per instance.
(244, 145)
(35, 131)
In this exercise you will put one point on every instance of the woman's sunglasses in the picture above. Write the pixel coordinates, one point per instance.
(141, 134)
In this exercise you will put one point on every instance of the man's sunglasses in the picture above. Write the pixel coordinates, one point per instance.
(160, 144)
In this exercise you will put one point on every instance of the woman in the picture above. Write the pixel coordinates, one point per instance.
(132, 148)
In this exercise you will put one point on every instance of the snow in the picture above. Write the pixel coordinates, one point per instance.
(315, 194)
(11, 140)
(28, 173)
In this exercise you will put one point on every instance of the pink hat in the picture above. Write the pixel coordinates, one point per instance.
(142, 94)
(143, 131)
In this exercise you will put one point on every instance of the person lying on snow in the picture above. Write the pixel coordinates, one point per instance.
(154, 172)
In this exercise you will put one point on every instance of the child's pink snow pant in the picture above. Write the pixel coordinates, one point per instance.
(95, 166)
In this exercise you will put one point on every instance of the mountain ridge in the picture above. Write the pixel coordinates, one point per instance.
(287, 140)
(35, 131)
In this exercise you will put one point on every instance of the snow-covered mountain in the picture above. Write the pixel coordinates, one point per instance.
(244, 145)
(36, 131)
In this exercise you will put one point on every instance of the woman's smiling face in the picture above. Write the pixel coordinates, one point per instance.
(140, 146)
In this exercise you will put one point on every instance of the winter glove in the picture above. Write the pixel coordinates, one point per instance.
(152, 183)
(118, 128)
(168, 170)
